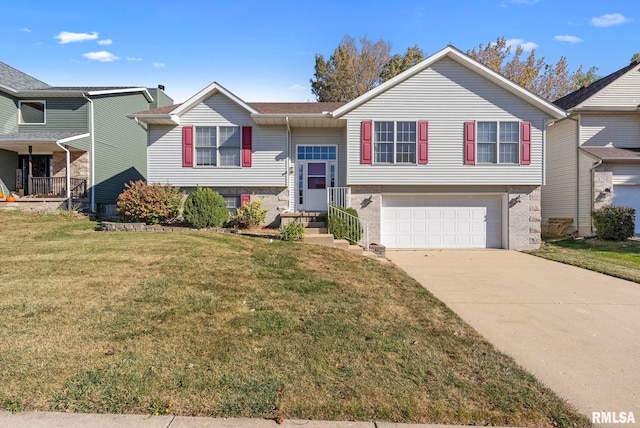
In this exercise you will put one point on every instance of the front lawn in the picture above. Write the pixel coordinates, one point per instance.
(197, 323)
(616, 258)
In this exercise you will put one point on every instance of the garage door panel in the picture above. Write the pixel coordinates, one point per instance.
(460, 221)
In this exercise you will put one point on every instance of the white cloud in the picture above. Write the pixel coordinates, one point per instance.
(568, 39)
(105, 42)
(67, 37)
(131, 58)
(158, 64)
(526, 46)
(297, 87)
(102, 56)
(25, 30)
(609, 19)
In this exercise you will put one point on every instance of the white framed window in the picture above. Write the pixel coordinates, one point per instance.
(394, 142)
(233, 203)
(32, 112)
(498, 142)
(218, 145)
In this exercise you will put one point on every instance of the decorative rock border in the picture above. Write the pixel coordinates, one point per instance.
(114, 226)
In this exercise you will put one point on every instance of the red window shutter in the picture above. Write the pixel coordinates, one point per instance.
(525, 143)
(246, 146)
(244, 199)
(470, 143)
(366, 147)
(187, 146)
(423, 142)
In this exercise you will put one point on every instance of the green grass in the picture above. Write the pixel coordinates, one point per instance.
(197, 323)
(616, 258)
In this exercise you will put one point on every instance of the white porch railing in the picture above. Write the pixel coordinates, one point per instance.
(339, 196)
(347, 226)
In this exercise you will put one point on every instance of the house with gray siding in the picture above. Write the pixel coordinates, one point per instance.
(70, 144)
(593, 155)
(448, 154)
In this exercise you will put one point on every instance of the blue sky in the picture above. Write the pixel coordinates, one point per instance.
(264, 50)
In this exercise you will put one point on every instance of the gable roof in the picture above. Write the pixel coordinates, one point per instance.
(466, 61)
(15, 80)
(206, 93)
(576, 98)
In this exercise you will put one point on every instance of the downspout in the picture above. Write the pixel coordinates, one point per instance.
(60, 143)
(577, 172)
(67, 173)
(93, 158)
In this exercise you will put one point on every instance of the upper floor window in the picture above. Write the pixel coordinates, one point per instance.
(498, 142)
(217, 146)
(394, 142)
(32, 112)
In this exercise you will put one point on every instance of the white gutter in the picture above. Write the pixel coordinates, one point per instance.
(92, 157)
(144, 91)
(60, 143)
(287, 175)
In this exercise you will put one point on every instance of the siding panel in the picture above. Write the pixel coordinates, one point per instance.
(621, 130)
(447, 95)
(559, 195)
(269, 150)
(62, 115)
(624, 92)
(8, 166)
(8, 114)
(120, 144)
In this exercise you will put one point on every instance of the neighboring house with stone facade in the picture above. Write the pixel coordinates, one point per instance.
(593, 156)
(60, 143)
(448, 154)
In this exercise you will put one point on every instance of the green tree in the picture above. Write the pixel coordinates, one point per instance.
(635, 57)
(352, 71)
(549, 81)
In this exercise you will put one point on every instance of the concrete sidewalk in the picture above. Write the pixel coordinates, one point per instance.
(577, 331)
(84, 420)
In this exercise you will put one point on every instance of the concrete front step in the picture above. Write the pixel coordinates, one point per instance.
(316, 230)
(342, 244)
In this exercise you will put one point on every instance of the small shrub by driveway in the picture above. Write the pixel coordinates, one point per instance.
(197, 323)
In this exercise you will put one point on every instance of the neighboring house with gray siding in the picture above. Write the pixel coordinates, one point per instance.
(448, 154)
(71, 142)
(593, 156)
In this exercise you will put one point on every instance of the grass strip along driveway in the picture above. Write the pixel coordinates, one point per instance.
(616, 258)
(197, 323)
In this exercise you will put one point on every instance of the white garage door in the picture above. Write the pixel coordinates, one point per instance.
(628, 196)
(448, 221)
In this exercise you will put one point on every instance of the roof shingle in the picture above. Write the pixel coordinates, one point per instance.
(17, 80)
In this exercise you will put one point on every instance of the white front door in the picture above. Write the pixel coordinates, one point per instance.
(628, 196)
(315, 172)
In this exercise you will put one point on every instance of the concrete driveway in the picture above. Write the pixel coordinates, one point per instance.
(577, 331)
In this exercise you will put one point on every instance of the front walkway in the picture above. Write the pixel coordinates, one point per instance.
(577, 331)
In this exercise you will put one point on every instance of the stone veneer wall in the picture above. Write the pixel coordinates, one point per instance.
(79, 164)
(524, 217)
(602, 187)
(524, 222)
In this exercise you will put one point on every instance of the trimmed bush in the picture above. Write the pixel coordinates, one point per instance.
(251, 214)
(615, 223)
(339, 226)
(150, 204)
(205, 208)
(292, 232)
